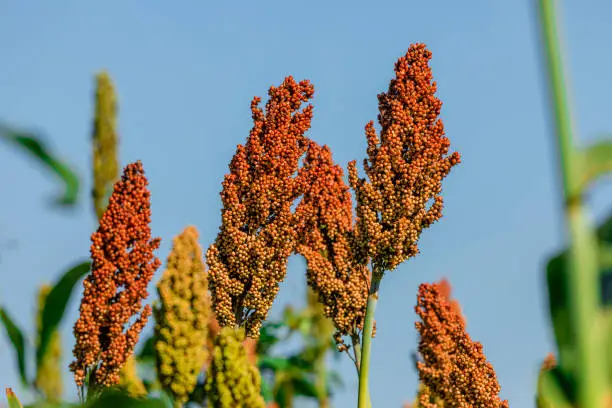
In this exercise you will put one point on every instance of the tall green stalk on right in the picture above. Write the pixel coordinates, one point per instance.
(580, 339)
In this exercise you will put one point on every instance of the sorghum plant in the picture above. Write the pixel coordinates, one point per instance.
(123, 264)
(105, 169)
(454, 368)
(105, 140)
(249, 257)
(405, 168)
(182, 316)
(232, 381)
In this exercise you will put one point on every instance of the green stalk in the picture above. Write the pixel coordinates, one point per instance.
(368, 328)
(583, 275)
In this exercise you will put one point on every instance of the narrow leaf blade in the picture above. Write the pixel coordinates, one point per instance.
(55, 305)
(17, 339)
(36, 148)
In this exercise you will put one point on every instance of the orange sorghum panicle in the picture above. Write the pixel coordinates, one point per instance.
(123, 264)
(249, 257)
(454, 368)
(405, 166)
(325, 229)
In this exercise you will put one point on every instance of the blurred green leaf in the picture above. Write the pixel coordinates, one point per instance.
(305, 387)
(597, 160)
(46, 404)
(147, 352)
(273, 363)
(13, 401)
(556, 276)
(551, 391)
(18, 341)
(55, 305)
(36, 148)
(118, 400)
(266, 391)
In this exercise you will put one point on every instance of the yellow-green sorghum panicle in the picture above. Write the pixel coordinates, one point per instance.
(232, 381)
(105, 141)
(182, 317)
(129, 380)
(48, 379)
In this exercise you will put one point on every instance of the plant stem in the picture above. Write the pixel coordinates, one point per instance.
(368, 328)
(357, 350)
(582, 285)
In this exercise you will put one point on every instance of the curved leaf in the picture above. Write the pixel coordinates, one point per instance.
(13, 401)
(112, 399)
(55, 305)
(305, 387)
(551, 392)
(273, 363)
(597, 160)
(147, 352)
(36, 148)
(18, 341)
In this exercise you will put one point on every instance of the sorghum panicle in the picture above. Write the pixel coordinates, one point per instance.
(325, 229)
(249, 257)
(232, 381)
(105, 140)
(454, 368)
(405, 166)
(48, 379)
(123, 264)
(182, 317)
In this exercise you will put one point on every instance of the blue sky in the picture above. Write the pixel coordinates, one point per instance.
(185, 74)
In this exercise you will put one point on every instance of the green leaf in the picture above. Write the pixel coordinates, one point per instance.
(551, 391)
(36, 148)
(118, 400)
(56, 303)
(147, 352)
(273, 363)
(47, 404)
(266, 391)
(597, 160)
(556, 276)
(18, 341)
(305, 387)
(13, 401)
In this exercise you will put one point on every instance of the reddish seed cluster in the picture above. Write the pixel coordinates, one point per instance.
(454, 368)
(123, 264)
(325, 229)
(249, 258)
(405, 167)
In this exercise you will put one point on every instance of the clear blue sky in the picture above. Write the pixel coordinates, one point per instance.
(186, 72)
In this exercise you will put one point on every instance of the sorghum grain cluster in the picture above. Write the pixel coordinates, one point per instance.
(123, 264)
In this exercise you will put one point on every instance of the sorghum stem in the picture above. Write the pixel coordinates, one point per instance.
(368, 329)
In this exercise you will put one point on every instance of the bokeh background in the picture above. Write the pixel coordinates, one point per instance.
(185, 73)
